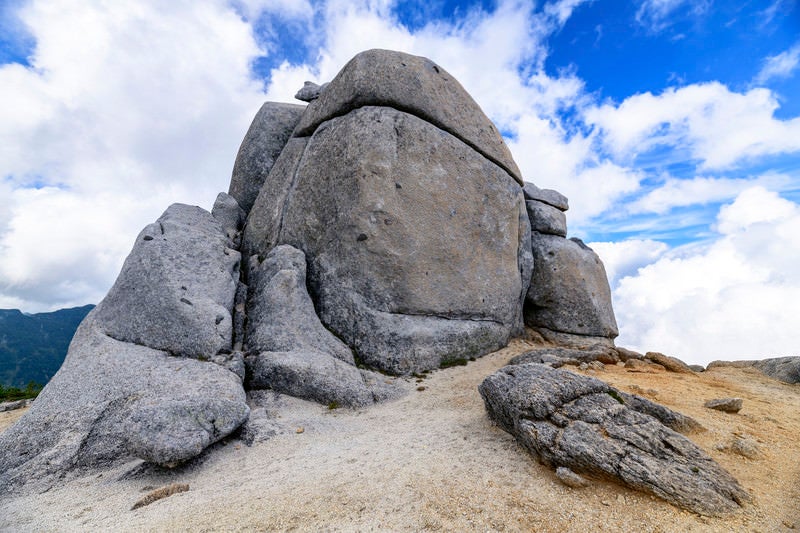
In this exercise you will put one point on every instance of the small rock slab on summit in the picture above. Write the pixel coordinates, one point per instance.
(581, 423)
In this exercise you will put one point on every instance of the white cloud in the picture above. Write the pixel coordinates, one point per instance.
(782, 65)
(718, 127)
(624, 258)
(144, 106)
(657, 15)
(737, 297)
(675, 192)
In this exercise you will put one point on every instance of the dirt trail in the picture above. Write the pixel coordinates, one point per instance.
(434, 461)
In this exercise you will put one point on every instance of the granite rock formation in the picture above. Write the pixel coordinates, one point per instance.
(384, 227)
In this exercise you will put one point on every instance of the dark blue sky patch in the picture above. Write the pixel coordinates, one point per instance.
(16, 43)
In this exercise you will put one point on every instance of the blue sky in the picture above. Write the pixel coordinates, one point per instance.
(672, 125)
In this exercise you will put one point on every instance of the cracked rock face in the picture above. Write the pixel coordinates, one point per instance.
(578, 422)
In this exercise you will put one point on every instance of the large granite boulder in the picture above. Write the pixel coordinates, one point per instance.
(786, 369)
(569, 291)
(112, 401)
(270, 130)
(578, 422)
(417, 86)
(416, 243)
(176, 289)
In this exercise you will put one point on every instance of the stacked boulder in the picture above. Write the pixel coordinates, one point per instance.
(569, 299)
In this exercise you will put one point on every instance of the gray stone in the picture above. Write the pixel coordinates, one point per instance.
(310, 91)
(548, 196)
(574, 340)
(672, 419)
(392, 214)
(281, 316)
(697, 368)
(112, 401)
(264, 141)
(558, 356)
(726, 405)
(570, 478)
(176, 289)
(672, 364)
(546, 218)
(626, 354)
(581, 423)
(13, 406)
(266, 217)
(569, 290)
(417, 86)
(318, 377)
(786, 369)
(228, 213)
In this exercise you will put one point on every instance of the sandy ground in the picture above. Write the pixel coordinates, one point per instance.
(433, 461)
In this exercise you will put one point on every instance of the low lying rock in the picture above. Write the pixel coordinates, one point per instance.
(583, 424)
(12, 406)
(786, 369)
(672, 364)
(626, 354)
(727, 405)
(557, 357)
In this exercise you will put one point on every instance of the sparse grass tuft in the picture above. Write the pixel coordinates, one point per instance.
(161, 493)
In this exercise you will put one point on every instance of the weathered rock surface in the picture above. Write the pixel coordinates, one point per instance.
(176, 289)
(230, 215)
(570, 478)
(569, 291)
(268, 134)
(726, 405)
(581, 423)
(417, 86)
(112, 401)
(546, 218)
(366, 194)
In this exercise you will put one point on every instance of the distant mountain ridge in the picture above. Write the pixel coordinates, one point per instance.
(32, 347)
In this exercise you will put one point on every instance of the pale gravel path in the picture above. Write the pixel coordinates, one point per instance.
(433, 461)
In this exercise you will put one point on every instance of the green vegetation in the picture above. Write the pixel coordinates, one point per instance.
(333, 404)
(32, 347)
(10, 394)
(453, 362)
(614, 394)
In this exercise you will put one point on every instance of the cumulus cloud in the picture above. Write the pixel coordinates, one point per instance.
(144, 106)
(716, 126)
(624, 258)
(675, 192)
(782, 65)
(736, 297)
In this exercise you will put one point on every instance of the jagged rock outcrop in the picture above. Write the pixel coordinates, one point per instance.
(138, 380)
(176, 289)
(578, 422)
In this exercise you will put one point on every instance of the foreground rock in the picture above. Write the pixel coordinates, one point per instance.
(726, 405)
(583, 424)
